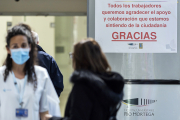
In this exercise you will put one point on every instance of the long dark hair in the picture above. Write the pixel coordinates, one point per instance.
(88, 55)
(25, 30)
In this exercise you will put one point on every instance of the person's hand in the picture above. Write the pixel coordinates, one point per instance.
(48, 116)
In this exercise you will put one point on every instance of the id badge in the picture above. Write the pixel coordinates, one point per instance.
(21, 112)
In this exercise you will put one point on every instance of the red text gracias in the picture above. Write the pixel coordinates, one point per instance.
(149, 36)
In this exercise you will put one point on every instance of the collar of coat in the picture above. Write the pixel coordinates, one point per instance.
(39, 48)
(108, 86)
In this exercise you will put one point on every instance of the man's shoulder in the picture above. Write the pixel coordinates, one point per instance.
(44, 55)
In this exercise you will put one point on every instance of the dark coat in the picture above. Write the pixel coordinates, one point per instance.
(48, 62)
(92, 95)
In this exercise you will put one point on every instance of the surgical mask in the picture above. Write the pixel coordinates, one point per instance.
(20, 55)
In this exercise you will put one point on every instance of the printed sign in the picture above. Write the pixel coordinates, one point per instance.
(136, 26)
(150, 102)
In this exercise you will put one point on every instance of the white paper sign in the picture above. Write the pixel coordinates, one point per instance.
(136, 26)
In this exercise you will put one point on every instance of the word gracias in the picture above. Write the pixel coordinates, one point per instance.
(134, 36)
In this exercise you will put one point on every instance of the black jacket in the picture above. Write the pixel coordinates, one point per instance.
(48, 62)
(93, 94)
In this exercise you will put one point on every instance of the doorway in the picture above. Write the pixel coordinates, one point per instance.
(57, 34)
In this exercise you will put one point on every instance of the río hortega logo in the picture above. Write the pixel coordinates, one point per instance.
(140, 107)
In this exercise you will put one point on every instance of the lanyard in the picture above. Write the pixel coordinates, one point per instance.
(22, 91)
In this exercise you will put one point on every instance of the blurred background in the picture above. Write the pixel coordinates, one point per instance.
(57, 34)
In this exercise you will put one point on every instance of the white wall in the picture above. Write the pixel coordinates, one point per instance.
(80, 28)
(43, 6)
(17, 19)
(41, 25)
(3, 33)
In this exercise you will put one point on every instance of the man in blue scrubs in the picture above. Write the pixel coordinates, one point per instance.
(48, 62)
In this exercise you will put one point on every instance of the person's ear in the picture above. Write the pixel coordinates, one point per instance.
(37, 42)
(8, 50)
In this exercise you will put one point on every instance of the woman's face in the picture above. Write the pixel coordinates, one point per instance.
(19, 41)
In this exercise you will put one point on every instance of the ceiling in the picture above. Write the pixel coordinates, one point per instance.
(43, 7)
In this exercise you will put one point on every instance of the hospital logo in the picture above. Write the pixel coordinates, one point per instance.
(140, 45)
(138, 102)
(137, 111)
(132, 44)
(5, 90)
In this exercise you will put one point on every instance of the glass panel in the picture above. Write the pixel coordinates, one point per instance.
(68, 30)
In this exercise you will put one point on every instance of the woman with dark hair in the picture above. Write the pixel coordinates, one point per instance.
(96, 89)
(23, 86)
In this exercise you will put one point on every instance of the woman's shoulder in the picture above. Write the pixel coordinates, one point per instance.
(40, 70)
(41, 73)
(81, 88)
(2, 69)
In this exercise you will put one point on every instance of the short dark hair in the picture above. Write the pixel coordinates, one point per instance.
(88, 55)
